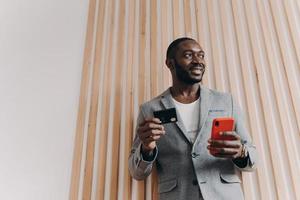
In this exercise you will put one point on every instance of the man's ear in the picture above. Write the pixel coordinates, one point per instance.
(170, 63)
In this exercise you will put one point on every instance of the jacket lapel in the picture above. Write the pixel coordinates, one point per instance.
(205, 103)
(166, 100)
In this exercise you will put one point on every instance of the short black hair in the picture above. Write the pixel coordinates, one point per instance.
(173, 46)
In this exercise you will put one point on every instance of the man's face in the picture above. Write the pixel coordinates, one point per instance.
(189, 62)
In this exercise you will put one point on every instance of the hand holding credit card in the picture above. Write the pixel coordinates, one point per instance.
(166, 116)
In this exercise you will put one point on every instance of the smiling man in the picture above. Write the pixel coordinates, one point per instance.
(180, 150)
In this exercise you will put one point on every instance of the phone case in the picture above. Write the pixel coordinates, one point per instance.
(221, 125)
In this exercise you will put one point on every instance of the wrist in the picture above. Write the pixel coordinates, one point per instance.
(147, 153)
(146, 150)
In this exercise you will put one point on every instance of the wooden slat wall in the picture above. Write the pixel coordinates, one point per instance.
(252, 50)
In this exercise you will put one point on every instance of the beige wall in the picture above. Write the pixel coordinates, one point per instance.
(252, 50)
(41, 47)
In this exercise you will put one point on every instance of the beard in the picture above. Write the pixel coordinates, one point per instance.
(185, 75)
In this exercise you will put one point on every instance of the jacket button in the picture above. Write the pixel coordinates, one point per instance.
(194, 155)
(195, 182)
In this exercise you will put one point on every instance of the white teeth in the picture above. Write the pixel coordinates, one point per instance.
(196, 71)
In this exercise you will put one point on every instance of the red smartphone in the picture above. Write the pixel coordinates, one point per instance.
(221, 125)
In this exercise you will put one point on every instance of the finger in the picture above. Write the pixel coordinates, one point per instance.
(143, 123)
(149, 133)
(149, 126)
(232, 134)
(227, 151)
(224, 156)
(151, 139)
(146, 129)
(214, 152)
(143, 136)
(225, 143)
(152, 125)
(223, 151)
(155, 120)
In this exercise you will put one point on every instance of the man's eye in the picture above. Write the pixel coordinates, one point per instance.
(200, 55)
(188, 55)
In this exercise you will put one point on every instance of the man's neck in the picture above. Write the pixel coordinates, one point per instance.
(184, 93)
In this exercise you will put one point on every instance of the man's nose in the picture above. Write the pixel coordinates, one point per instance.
(196, 59)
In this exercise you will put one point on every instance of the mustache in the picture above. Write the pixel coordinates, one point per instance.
(200, 65)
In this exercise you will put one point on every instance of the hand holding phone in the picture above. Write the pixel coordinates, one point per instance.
(224, 141)
(221, 125)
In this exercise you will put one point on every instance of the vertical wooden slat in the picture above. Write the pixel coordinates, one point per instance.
(91, 133)
(154, 67)
(115, 119)
(126, 125)
(154, 61)
(99, 59)
(293, 15)
(178, 19)
(147, 50)
(298, 4)
(187, 18)
(160, 64)
(204, 38)
(138, 188)
(167, 34)
(148, 78)
(192, 10)
(142, 42)
(87, 62)
(142, 70)
(103, 122)
(112, 87)
(221, 76)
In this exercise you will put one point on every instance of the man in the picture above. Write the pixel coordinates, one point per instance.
(186, 170)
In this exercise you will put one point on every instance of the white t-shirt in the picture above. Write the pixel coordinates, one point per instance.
(190, 115)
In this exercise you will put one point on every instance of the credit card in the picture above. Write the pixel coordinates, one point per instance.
(166, 116)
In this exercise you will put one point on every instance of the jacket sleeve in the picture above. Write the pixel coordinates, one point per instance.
(241, 129)
(138, 167)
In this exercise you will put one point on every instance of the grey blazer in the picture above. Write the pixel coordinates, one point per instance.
(187, 171)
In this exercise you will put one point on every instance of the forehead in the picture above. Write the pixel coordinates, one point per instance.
(189, 45)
